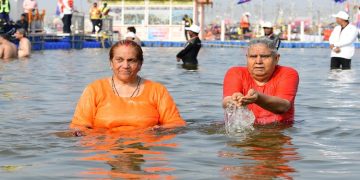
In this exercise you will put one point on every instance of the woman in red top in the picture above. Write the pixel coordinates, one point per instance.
(268, 89)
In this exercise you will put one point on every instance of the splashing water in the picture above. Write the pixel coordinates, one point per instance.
(238, 120)
(344, 76)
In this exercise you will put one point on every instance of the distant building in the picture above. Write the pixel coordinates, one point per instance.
(156, 19)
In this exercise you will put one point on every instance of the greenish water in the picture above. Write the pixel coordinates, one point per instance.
(38, 97)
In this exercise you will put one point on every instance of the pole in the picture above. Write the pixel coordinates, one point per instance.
(222, 30)
(195, 13)
(289, 32)
(319, 33)
(302, 28)
(202, 21)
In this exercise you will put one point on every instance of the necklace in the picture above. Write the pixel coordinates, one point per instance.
(137, 89)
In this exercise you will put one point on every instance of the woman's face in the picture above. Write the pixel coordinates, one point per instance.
(125, 64)
(261, 63)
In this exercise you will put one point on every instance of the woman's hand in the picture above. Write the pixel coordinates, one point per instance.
(156, 127)
(240, 100)
(78, 133)
(233, 99)
(337, 50)
(236, 99)
(251, 97)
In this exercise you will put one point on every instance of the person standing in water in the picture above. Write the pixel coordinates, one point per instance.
(189, 54)
(24, 43)
(269, 33)
(342, 42)
(267, 88)
(125, 102)
(131, 29)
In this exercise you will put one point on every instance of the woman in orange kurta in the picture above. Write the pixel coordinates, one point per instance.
(125, 101)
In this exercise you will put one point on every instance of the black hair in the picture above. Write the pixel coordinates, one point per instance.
(132, 29)
(5, 36)
(139, 52)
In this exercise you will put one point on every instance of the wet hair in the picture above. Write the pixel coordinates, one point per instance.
(139, 52)
(265, 41)
(132, 29)
(7, 28)
(5, 36)
(22, 31)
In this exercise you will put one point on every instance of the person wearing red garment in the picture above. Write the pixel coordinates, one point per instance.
(267, 88)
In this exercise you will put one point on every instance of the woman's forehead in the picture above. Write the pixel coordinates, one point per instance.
(125, 51)
(258, 48)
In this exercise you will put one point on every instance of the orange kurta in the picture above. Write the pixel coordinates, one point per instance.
(100, 108)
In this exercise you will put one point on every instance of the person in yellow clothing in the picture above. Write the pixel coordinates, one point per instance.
(4, 10)
(95, 17)
(105, 11)
(125, 101)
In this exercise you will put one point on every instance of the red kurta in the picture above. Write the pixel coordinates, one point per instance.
(283, 84)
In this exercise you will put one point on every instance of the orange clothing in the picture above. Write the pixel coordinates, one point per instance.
(244, 22)
(283, 84)
(327, 34)
(100, 108)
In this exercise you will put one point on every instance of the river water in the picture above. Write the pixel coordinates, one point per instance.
(38, 97)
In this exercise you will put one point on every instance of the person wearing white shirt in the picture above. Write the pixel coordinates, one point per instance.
(342, 41)
(29, 6)
(66, 10)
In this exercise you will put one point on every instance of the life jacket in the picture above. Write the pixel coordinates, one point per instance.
(103, 11)
(5, 6)
(244, 23)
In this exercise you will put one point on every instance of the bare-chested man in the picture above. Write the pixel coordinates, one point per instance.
(24, 43)
(7, 48)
